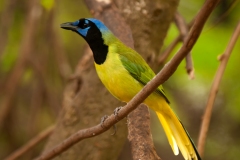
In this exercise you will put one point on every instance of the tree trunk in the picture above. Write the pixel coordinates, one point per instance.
(149, 21)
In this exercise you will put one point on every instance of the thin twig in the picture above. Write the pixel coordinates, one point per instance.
(226, 13)
(169, 49)
(214, 90)
(32, 143)
(184, 29)
(162, 58)
(161, 77)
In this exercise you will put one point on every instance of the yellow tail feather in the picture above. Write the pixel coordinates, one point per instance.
(177, 134)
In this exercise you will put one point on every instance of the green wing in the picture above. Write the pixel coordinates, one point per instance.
(139, 70)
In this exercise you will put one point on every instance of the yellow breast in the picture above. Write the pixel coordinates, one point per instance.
(117, 79)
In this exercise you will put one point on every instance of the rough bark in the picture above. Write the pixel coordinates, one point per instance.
(149, 21)
(139, 134)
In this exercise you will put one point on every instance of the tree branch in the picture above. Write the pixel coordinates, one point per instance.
(184, 29)
(139, 135)
(162, 58)
(161, 77)
(30, 144)
(214, 90)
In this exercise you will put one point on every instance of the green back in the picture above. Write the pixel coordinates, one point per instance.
(138, 68)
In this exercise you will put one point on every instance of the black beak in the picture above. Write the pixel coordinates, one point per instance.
(68, 26)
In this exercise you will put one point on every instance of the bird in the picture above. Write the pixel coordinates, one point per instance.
(124, 73)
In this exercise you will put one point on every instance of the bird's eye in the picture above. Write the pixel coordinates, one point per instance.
(83, 24)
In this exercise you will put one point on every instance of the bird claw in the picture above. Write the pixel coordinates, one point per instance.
(102, 120)
(115, 130)
(102, 124)
(115, 112)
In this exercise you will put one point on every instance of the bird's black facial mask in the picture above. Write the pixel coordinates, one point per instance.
(91, 30)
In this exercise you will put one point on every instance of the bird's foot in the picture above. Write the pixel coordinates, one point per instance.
(102, 125)
(115, 130)
(115, 112)
(102, 120)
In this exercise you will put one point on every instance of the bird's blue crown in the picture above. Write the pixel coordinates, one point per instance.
(83, 26)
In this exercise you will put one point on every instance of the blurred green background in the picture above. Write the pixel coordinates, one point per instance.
(36, 98)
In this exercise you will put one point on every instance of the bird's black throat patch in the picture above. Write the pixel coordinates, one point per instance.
(96, 43)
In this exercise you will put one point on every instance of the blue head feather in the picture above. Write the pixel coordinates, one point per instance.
(83, 26)
(99, 24)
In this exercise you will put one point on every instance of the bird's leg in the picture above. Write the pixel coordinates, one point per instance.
(115, 129)
(115, 112)
(102, 120)
(102, 125)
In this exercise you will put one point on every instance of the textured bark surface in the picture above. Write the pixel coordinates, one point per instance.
(139, 134)
(85, 98)
(149, 21)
